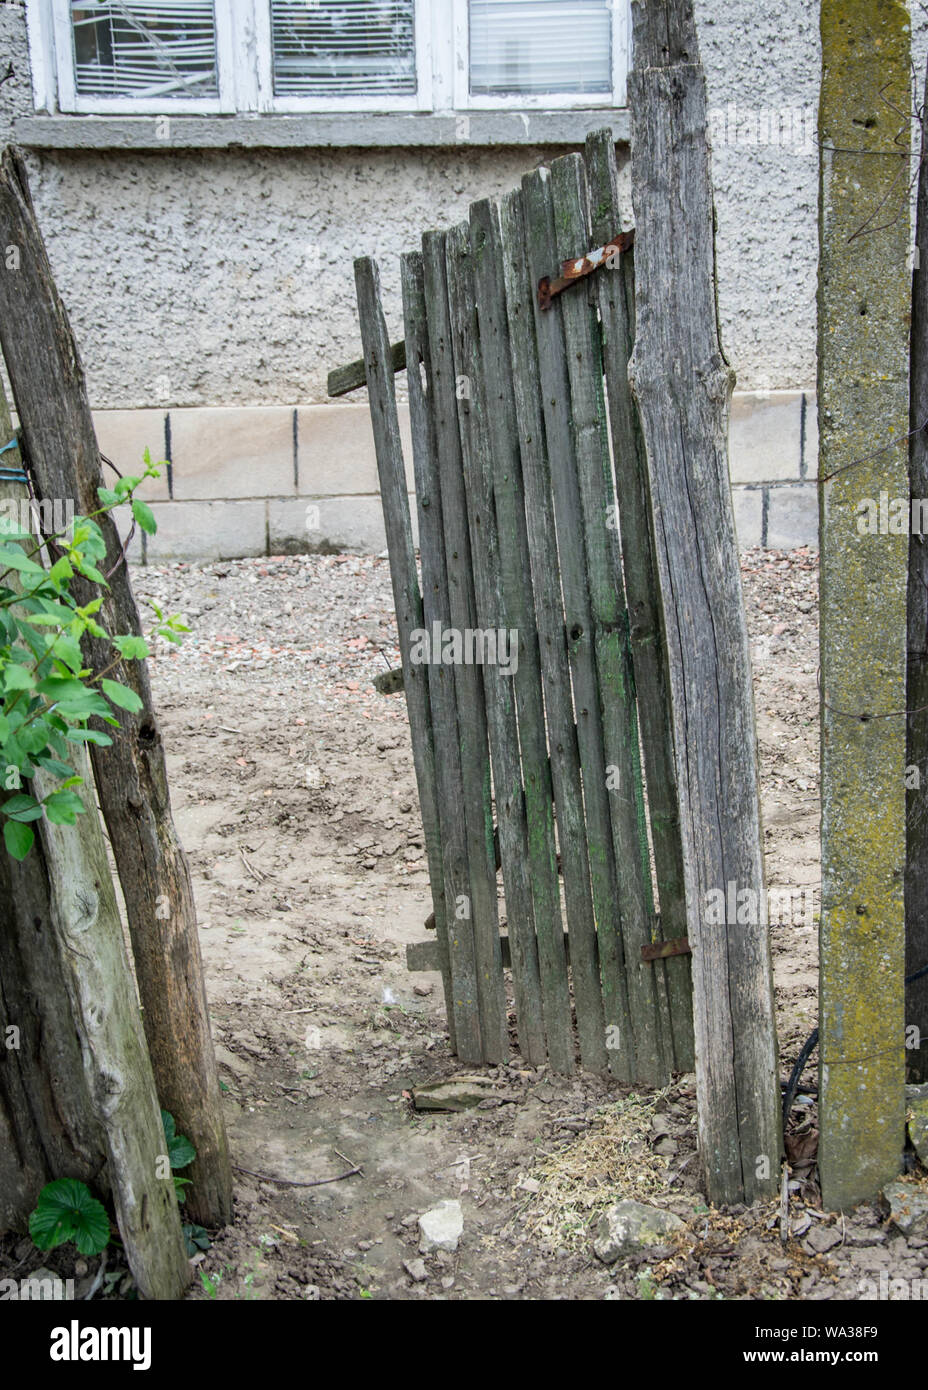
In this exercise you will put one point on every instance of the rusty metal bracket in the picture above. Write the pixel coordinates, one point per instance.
(578, 269)
(660, 950)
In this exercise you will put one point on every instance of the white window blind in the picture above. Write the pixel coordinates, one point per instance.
(139, 49)
(540, 46)
(340, 48)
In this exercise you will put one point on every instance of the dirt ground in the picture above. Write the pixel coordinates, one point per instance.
(294, 793)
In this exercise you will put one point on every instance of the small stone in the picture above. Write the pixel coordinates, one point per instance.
(628, 1226)
(458, 1093)
(528, 1185)
(312, 1293)
(821, 1239)
(448, 1281)
(908, 1208)
(861, 1238)
(441, 1228)
(424, 990)
(416, 1270)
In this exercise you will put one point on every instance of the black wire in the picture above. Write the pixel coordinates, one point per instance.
(792, 1085)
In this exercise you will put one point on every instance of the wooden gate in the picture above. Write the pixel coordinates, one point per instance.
(532, 645)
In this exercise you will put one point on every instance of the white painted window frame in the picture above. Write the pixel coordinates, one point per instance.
(226, 11)
(420, 100)
(245, 68)
(466, 100)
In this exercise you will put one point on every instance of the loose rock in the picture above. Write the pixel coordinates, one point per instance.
(441, 1228)
(627, 1227)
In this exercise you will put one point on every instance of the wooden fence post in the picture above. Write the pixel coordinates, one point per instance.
(683, 386)
(864, 300)
(118, 1087)
(916, 865)
(48, 385)
(47, 1125)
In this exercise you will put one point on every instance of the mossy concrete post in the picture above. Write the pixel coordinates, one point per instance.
(864, 289)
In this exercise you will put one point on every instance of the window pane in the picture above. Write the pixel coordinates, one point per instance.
(526, 46)
(343, 47)
(137, 49)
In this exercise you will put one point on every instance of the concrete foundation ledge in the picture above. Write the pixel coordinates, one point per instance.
(256, 480)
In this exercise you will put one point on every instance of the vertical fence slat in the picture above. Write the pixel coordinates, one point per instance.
(516, 580)
(436, 608)
(408, 603)
(606, 1006)
(493, 614)
(546, 582)
(416, 350)
(477, 808)
(615, 287)
(607, 609)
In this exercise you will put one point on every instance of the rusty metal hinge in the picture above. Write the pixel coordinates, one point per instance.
(577, 269)
(660, 950)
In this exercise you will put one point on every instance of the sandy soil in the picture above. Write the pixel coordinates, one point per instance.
(294, 793)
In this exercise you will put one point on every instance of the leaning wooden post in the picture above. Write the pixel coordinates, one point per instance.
(48, 385)
(864, 288)
(117, 1084)
(47, 1123)
(683, 386)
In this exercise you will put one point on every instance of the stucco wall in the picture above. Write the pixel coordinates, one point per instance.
(224, 277)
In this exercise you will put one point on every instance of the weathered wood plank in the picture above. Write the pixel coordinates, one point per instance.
(341, 380)
(494, 614)
(131, 774)
(497, 396)
(615, 290)
(437, 609)
(87, 925)
(599, 1007)
(864, 301)
(68, 881)
(546, 579)
(477, 808)
(47, 1122)
(607, 610)
(406, 597)
(683, 386)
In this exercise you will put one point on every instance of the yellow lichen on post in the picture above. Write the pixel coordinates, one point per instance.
(864, 296)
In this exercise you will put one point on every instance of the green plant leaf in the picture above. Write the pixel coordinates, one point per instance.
(131, 647)
(54, 765)
(63, 807)
(19, 839)
(195, 1238)
(88, 736)
(66, 1210)
(122, 696)
(18, 678)
(180, 1150)
(12, 558)
(144, 516)
(22, 808)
